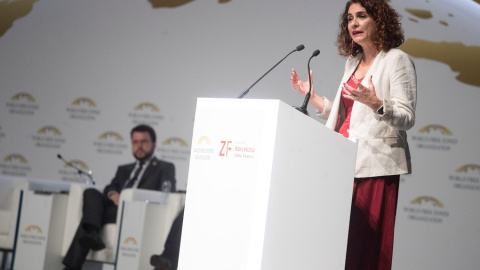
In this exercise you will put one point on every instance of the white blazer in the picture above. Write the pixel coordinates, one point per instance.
(382, 140)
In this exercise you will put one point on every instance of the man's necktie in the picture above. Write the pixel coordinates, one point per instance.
(135, 176)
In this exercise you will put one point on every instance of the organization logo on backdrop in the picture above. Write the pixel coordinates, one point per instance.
(426, 209)
(466, 177)
(22, 103)
(83, 108)
(174, 149)
(434, 137)
(15, 165)
(129, 248)
(203, 149)
(146, 113)
(33, 235)
(49, 137)
(69, 174)
(110, 142)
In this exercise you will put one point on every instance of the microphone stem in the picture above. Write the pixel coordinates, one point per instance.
(79, 171)
(246, 91)
(307, 96)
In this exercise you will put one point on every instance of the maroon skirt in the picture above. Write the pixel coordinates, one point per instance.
(372, 223)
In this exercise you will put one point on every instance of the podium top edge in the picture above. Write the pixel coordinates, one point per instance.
(270, 102)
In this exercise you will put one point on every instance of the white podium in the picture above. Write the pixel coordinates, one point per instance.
(40, 231)
(144, 229)
(269, 188)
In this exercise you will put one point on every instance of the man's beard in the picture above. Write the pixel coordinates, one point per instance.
(146, 157)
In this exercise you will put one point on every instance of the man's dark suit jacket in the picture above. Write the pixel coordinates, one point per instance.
(157, 169)
(103, 210)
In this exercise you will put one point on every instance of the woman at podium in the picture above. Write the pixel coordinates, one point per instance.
(375, 104)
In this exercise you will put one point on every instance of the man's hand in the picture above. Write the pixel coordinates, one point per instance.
(115, 197)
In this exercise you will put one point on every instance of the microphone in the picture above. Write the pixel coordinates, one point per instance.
(89, 174)
(298, 48)
(303, 109)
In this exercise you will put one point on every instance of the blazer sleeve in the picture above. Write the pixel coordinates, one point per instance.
(156, 174)
(169, 174)
(399, 104)
(122, 174)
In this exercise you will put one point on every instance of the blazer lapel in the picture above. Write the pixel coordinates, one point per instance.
(148, 171)
(350, 67)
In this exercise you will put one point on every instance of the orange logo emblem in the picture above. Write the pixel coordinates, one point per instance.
(147, 105)
(175, 140)
(82, 100)
(49, 129)
(427, 199)
(111, 134)
(440, 128)
(23, 95)
(13, 157)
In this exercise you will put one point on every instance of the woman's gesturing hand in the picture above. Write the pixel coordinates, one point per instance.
(299, 85)
(365, 95)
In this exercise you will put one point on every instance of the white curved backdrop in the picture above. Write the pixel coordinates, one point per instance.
(75, 76)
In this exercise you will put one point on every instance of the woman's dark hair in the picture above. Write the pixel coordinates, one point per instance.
(145, 128)
(389, 33)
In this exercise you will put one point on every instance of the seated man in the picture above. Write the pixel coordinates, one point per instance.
(168, 260)
(147, 172)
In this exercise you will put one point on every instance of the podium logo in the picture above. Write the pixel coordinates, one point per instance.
(225, 148)
(84, 100)
(204, 149)
(431, 128)
(426, 209)
(146, 106)
(204, 140)
(33, 235)
(131, 241)
(111, 135)
(23, 97)
(129, 248)
(15, 158)
(34, 229)
(175, 141)
(49, 130)
(426, 199)
(239, 149)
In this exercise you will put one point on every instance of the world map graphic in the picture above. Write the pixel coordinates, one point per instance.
(462, 59)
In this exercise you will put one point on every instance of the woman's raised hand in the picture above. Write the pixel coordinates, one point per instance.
(299, 85)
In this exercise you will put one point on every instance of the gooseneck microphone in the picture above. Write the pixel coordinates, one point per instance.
(298, 48)
(303, 108)
(89, 174)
